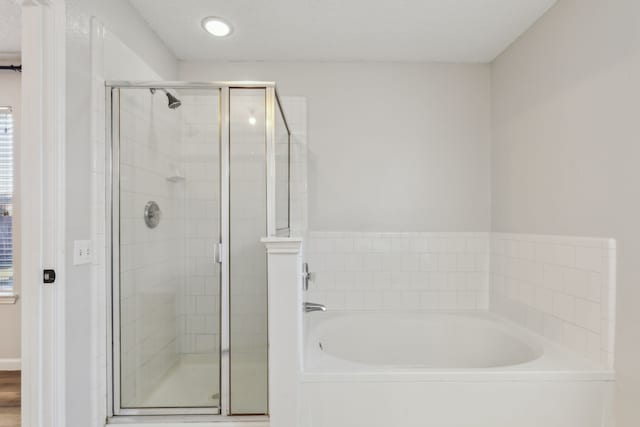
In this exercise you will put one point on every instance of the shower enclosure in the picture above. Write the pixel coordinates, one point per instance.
(200, 172)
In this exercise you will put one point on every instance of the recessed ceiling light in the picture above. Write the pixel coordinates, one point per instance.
(216, 26)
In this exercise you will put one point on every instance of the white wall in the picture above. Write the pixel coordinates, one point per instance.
(10, 95)
(392, 147)
(123, 20)
(565, 148)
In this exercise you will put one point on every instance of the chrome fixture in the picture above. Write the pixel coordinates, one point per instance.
(173, 101)
(312, 306)
(152, 214)
(307, 276)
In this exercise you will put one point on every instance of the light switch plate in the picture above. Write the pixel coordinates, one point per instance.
(82, 252)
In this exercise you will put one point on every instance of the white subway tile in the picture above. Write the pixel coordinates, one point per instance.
(457, 281)
(447, 300)
(447, 262)
(353, 262)
(564, 306)
(438, 281)
(381, 245)
(429, 300)
(564, 255)
(477, 245)
(428, 262)
(591, 259)
(466, 300)
(410, 262)
(382, 280)
(574, 337)
(372, 262)
(420, 280)
(401, 279)
(595, 287)
(553, 328)
(362, 244)
(400, 245)
(553, 278)
(355, 300)
(466, 262)
(544, 300)
(373, 300)
(588, 315)
(576, 283)
(343, 245)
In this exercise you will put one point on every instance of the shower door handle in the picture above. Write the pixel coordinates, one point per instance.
(217, 249)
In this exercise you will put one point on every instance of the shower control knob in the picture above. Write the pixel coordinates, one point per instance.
(152, 214)
(307, 276)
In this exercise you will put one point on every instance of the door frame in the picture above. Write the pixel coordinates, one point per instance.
(42, 212)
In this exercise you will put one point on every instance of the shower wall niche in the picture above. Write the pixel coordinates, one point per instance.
(189, 280)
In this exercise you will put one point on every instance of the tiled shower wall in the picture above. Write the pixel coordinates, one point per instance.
(560, 287)
(399, 271)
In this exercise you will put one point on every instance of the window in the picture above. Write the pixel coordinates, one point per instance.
(6, 200)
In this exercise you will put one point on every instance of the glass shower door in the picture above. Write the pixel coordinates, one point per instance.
(166, 228)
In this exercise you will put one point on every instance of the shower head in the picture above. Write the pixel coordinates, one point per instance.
(173, 101)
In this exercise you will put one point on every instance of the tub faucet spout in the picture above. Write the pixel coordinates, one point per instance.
(312, 306)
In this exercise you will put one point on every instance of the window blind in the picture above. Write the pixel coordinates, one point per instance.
(6, 199)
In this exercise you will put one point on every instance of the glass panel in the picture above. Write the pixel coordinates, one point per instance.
(282, 149)
(168, 227)
(248, 262)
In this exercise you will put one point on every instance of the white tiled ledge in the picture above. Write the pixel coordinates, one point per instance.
(282, 245)
(593, 242)
(8, 298)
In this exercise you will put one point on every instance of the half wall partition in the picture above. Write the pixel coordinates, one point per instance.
(199, 174)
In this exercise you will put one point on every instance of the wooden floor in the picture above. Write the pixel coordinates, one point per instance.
(9, 398)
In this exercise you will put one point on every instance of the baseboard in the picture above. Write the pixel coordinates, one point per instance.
(10, 364)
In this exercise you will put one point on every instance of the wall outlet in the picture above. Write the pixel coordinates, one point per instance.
(82, 252)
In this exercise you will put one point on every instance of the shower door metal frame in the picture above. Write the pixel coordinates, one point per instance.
(223, 412)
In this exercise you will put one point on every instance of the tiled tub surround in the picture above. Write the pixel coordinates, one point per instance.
(392, 271)
(560, 287)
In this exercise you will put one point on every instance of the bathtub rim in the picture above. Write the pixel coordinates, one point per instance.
(554, 364)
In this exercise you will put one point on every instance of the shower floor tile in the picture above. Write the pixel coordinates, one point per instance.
(193, 382)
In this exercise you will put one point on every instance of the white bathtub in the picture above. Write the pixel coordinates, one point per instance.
(444, 370)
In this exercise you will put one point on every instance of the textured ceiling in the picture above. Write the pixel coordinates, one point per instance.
(9, 28)
(391, 30)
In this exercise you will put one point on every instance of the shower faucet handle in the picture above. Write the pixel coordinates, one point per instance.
(307, 276)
